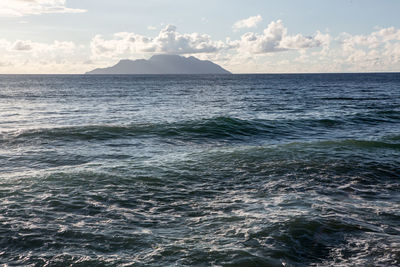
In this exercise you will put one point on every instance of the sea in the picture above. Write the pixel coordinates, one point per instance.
(200, 170)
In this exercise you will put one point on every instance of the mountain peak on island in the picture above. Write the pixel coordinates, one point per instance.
(163, 64)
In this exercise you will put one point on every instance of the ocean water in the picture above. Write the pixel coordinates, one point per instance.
(230, 170)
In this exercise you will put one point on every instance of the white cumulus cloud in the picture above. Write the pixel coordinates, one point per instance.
(21, 46)
(275, 39)
(27, 56)
(18, 8)
(377, 50)
(168, 41)
(250, 22)
(36, 48)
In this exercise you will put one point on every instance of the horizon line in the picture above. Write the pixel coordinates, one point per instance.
(227, 74)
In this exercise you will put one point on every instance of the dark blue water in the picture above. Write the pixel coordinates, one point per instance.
(235, 170)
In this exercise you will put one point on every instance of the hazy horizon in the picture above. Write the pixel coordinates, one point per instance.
(73, 37)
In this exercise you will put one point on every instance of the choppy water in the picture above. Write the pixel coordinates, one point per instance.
(237, 170)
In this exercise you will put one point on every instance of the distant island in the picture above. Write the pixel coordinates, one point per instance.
(163, 64)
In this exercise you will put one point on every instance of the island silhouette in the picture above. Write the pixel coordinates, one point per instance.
(163, 64)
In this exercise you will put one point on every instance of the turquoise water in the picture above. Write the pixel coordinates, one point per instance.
(229, 170)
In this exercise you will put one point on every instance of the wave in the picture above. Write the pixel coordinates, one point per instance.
(354, 98)
(215, 128)
(220, 127)
(229, 128)
(316, 152)
(361, 144)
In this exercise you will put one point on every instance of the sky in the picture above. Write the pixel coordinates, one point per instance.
(252, 36)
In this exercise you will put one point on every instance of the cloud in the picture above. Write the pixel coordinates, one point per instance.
(168, 41)
(276, 39)
(21, 46)
(28, 49)
(26, 56)
(39, 49)
(5, 64)
(250, 22)
(377, 50)
(371, 41)
(19, 8)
